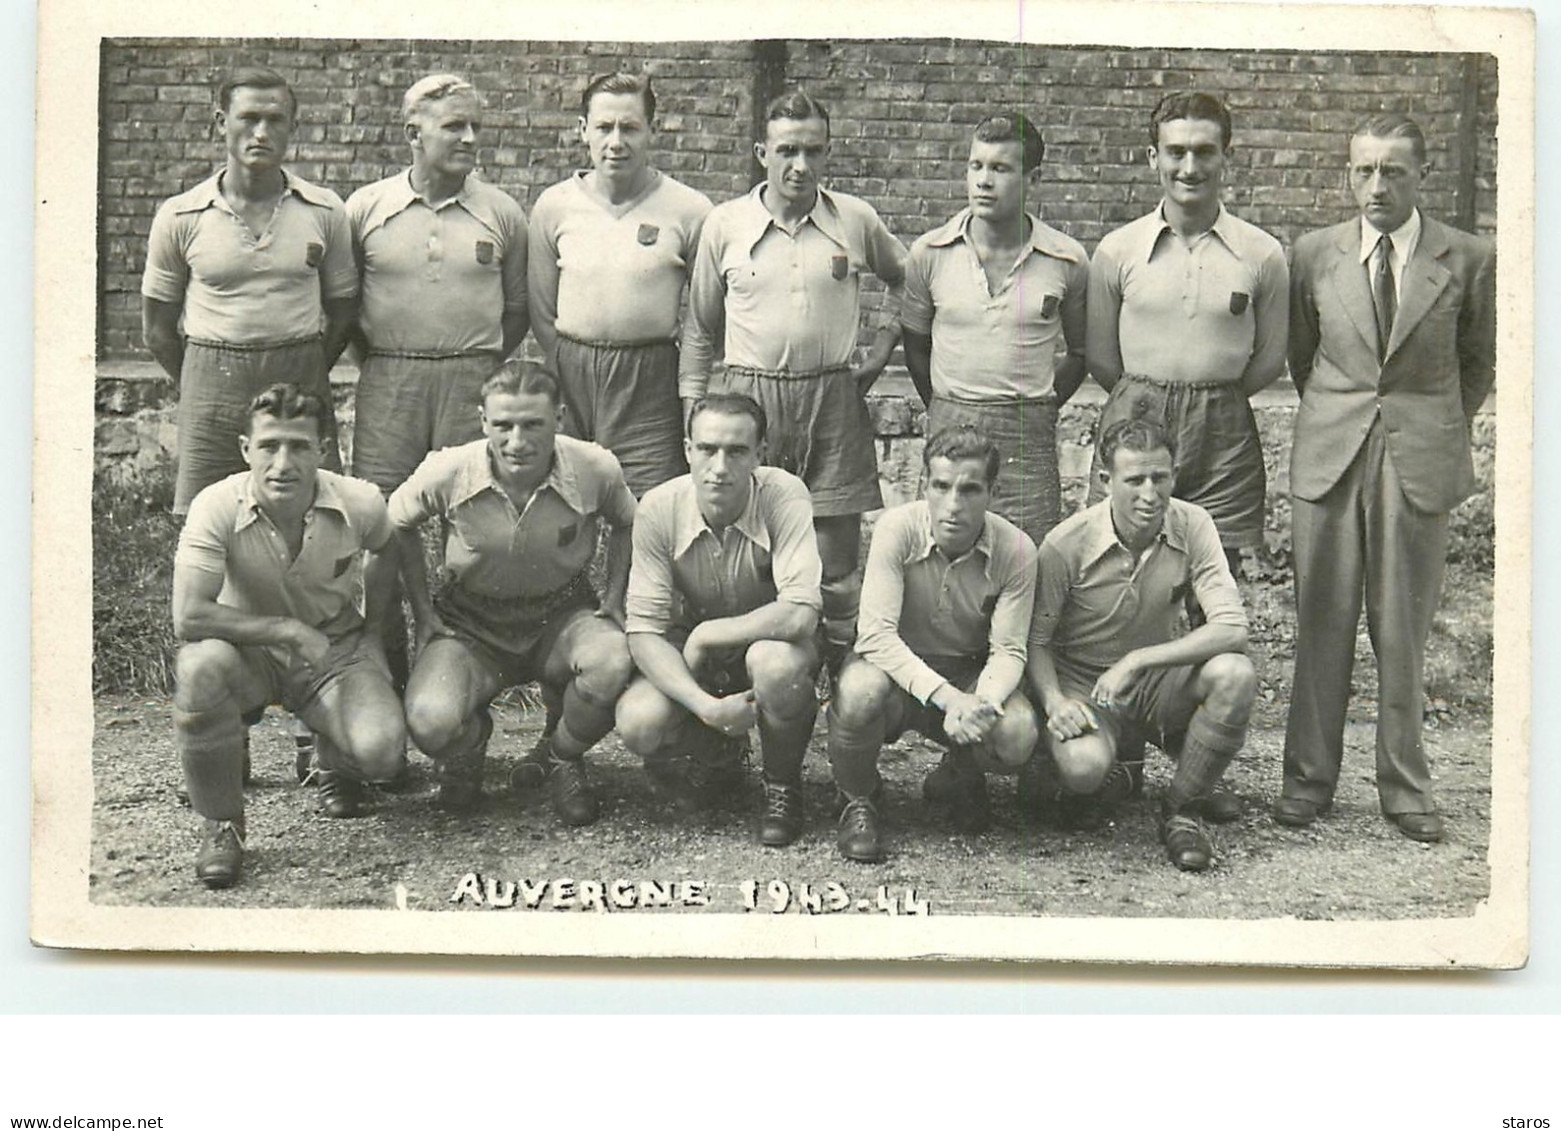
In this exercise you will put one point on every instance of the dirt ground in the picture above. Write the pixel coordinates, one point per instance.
(1351, 865)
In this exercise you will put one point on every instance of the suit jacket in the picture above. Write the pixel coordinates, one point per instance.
(1439, 365)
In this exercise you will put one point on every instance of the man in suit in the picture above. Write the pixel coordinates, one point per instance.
(1392, 347)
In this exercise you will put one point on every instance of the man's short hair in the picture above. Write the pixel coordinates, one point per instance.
(432, 88)
(730, 404)
(1197, 105)
(962, 441)
(1014, 127)
(620, 82)
(286, 401)
(1391, 126)
(797, 105)
(1136, 434)
(518, 378)
(258, 78)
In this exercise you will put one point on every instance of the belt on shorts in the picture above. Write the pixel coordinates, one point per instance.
(644, 343)
(1162, 383)
(252, 347)
(786, 374)
(535, 608)
(432, 355)
(997, 402)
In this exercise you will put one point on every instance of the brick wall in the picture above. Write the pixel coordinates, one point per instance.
(903, 111)
(158, 138)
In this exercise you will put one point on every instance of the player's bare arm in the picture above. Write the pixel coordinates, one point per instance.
(661, 663)
(198, 616)
(160, 332)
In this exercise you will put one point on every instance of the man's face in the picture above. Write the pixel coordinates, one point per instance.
(444, 132)
(1385, 177)
(995, 182)
(722, 450)
(1190, 161)
(256, 126)
(957, 497)
(283, 457)
(521, 428)
(1139, 487)
(617, 134)
(793, 154)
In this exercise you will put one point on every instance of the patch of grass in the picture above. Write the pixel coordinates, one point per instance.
(1471, 534)
(133, 540)
(1461, 652)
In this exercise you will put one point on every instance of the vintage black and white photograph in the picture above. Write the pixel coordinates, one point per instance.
(982, 487)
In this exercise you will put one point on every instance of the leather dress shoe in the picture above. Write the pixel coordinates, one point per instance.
(1424, 827)
(1219, 806)
(1186, 841)
(781, 823)
(221, 858)
(341, 796)
(859, 837)
(1298, 812)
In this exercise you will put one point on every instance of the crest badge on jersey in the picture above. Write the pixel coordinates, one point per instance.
(649, 234)
(313, 254)
(1238, 302)
(839, 266)
(485, 252)
(1049, 306)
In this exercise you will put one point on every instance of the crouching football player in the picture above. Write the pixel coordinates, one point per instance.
(940, 645)
(1105, 662)
(723, 611)
(521, 510)
(265, 595)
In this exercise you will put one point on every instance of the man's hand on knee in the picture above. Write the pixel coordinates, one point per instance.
(1112, 686)
(309, 644)
(1070, 719)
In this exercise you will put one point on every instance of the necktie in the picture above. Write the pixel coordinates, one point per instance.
(1384, 295)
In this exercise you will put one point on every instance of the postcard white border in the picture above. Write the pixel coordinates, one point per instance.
(65, 293)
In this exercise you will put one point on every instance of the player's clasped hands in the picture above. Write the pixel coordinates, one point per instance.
(968, 717)
(731, 714)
